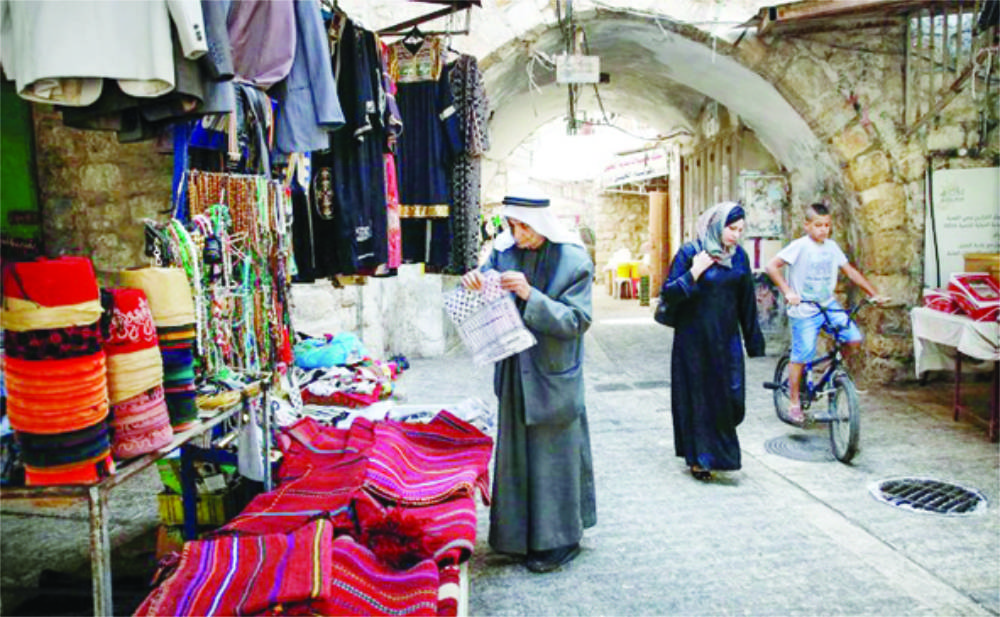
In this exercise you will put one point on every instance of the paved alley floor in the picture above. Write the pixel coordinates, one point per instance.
(782, 536)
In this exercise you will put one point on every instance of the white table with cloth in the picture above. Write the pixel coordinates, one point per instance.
(941, 340)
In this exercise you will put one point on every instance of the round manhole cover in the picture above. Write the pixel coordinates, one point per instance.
(932, 496)
(811, 448)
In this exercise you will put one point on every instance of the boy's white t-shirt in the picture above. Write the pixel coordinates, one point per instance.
(812, 272)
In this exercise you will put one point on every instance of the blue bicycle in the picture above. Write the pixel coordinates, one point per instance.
(833, 385)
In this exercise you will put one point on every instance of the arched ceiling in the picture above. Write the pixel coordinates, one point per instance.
(662, 73)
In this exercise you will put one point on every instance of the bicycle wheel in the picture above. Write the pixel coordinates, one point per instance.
(781, 400)
(845, 418)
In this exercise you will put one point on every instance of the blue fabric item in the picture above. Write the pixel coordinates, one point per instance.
(182, 134)
(310, 107)
(340, 350)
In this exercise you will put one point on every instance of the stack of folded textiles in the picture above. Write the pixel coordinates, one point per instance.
(55, 370)
(172, 305)
(139, 419)
(355, 526)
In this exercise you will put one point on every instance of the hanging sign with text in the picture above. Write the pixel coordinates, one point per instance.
(578, 69)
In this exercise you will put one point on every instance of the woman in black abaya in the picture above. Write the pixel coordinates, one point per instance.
(711, 285)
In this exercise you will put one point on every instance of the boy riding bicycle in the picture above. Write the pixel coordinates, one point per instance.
(813, 261)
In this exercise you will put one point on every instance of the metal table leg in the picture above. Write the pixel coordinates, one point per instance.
(100, 553)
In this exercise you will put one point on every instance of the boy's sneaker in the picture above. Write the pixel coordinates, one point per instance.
(795, 414)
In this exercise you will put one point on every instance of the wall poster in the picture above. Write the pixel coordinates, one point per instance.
(962, 217)
(764, 199)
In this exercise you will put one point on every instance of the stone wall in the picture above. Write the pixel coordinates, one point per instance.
(94, 192)
(849, 86)
(622, 221)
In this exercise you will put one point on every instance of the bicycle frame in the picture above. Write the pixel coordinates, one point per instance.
(812, 391)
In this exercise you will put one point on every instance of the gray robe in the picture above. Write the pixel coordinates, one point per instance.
(543, 481)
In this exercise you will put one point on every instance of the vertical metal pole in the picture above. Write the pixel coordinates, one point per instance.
(189, 494)
(931, 62)
(907, 70)
(100, 553)
(267, 434)
(945, 48)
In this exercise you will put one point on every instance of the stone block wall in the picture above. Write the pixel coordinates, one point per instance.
(622, 221)
(849, 86)
(95, 193)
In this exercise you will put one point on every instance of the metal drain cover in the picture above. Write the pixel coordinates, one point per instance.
(811, 448)
(932, 496)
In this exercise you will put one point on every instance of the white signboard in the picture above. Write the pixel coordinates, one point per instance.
(966, 219)
(637, 167)
(578, 69)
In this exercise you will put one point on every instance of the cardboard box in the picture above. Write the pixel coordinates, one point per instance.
(984, 262)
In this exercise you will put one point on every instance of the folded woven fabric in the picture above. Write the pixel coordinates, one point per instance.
(444, 532)
(326, 493)
(307, 444)
(131, 326)
(234, 575)
(168, 292)
(420, 464)
(365, 586)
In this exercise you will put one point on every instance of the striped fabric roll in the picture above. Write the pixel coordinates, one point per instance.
(414, 465)
(233, 575)
(50, 293)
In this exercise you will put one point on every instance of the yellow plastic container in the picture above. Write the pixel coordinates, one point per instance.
(211, 509)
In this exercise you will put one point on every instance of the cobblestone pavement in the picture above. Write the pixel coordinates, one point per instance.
(782, 536)
(779, 537)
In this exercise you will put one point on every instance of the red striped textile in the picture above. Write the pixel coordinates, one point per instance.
(325, 493)
(307, 444)
(233, 575)
(444, 532)
(422, 464)
(449, 591)
(364, 586)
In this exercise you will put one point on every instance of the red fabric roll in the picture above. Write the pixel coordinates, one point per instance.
(132, 326)
(141, 424)
(52, 282)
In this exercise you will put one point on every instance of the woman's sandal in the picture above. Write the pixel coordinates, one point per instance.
(701, 474)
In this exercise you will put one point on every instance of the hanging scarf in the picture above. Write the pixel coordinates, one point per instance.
(710, 226)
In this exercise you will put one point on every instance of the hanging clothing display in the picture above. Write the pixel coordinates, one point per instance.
(60, 52)
(348, 180)
(393, 124)
(473, 116)
(429, 141)
(308, 97)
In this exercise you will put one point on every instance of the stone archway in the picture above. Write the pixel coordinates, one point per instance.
(663, 71)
